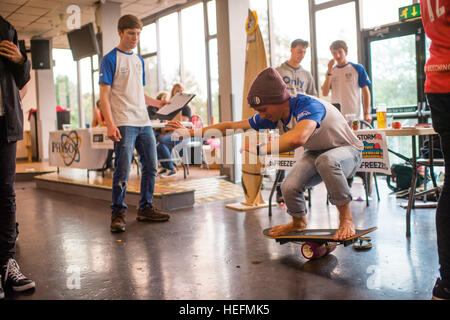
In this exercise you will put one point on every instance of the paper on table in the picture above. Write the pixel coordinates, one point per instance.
(176, 103)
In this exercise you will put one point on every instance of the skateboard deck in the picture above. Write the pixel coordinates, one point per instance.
(317, 243)
(317, 235)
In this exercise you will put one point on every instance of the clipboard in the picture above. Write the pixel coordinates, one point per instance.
(179, 101)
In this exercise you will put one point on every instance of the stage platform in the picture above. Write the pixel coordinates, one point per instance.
(26, 171)
(170, 194)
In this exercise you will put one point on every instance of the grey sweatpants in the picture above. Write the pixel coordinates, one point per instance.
(333, 167)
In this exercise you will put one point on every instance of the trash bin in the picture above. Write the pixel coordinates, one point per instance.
(62, 117)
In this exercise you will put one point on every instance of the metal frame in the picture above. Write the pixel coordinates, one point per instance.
(394, 30)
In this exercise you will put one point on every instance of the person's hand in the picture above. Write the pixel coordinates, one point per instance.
(174, 125)
(11, 51)
(330, 65)
(368, 117)
(114, 133)
(177, 129)
(162, 103)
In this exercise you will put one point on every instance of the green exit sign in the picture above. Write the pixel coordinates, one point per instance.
(409, 12)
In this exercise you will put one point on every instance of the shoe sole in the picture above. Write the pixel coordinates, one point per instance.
(25, 287)
(436, 298)
(118, 229)
(149, 219)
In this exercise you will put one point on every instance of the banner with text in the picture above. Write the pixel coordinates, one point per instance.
(375, 157)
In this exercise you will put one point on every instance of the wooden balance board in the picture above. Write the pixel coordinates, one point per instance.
(317, 243)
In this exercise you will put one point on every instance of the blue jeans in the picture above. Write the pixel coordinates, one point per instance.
(143, 139)
(333, 167)
(164, 149)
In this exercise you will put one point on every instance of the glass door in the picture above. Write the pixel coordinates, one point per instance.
(395, 57)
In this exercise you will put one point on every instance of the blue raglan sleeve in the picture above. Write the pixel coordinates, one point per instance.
(363, 78)
(107, 69)
(308, 108)
(257, 123)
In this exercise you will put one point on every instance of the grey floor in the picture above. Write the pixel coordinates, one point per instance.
(210, 252)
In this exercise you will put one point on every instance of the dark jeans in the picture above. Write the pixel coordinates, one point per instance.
(440, 114)
(7, 196)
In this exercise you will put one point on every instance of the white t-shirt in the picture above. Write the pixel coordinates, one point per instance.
(127, 75)
(346, 82)
(332, 129)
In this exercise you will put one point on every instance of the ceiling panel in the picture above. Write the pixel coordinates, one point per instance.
(46, 18)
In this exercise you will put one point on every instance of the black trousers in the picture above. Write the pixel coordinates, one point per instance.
(440, 114)
(7, 196)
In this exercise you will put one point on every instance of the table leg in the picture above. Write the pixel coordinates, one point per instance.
(277, 178)
(412, 190)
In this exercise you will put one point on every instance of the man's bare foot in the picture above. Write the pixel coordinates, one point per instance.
(346, 230)
(295, 225)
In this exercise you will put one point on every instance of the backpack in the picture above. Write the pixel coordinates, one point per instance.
(402, 175)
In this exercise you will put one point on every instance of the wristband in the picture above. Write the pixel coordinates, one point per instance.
(329, 74)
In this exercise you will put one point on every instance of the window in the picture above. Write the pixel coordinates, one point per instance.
(212, 21)
(151, 88)
(214, 78)
(66, 83)
(288, 26)
(379, 12)
(169, 51)
(394, 74)
(194, 57)
(148, 40)
(335, 23)
(86, 89)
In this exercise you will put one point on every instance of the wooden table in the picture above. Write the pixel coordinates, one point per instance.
(413, 132)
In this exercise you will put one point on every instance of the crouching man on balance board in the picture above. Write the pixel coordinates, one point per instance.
(333, 152)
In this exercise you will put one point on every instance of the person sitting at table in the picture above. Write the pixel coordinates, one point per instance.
(152, 110)
(165, 145)
(99, 121)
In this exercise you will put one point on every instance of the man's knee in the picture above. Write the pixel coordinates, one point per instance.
(289, 187)
(326, 162)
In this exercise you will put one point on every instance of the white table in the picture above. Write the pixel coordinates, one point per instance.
(73, 149)
(413, 132)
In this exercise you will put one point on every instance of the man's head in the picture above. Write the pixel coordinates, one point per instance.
(129, 28)
(267, 93)
(298, 50)
(339, 50)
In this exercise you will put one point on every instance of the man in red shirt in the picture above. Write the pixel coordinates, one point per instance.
(436, 21)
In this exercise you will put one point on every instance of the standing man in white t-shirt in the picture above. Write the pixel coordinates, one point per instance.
(347, 80)
(123, 75)
(298, 80)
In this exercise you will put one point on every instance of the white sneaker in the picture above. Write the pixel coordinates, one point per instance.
(15, 278)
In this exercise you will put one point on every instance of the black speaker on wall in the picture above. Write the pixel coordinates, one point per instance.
(40, 54)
